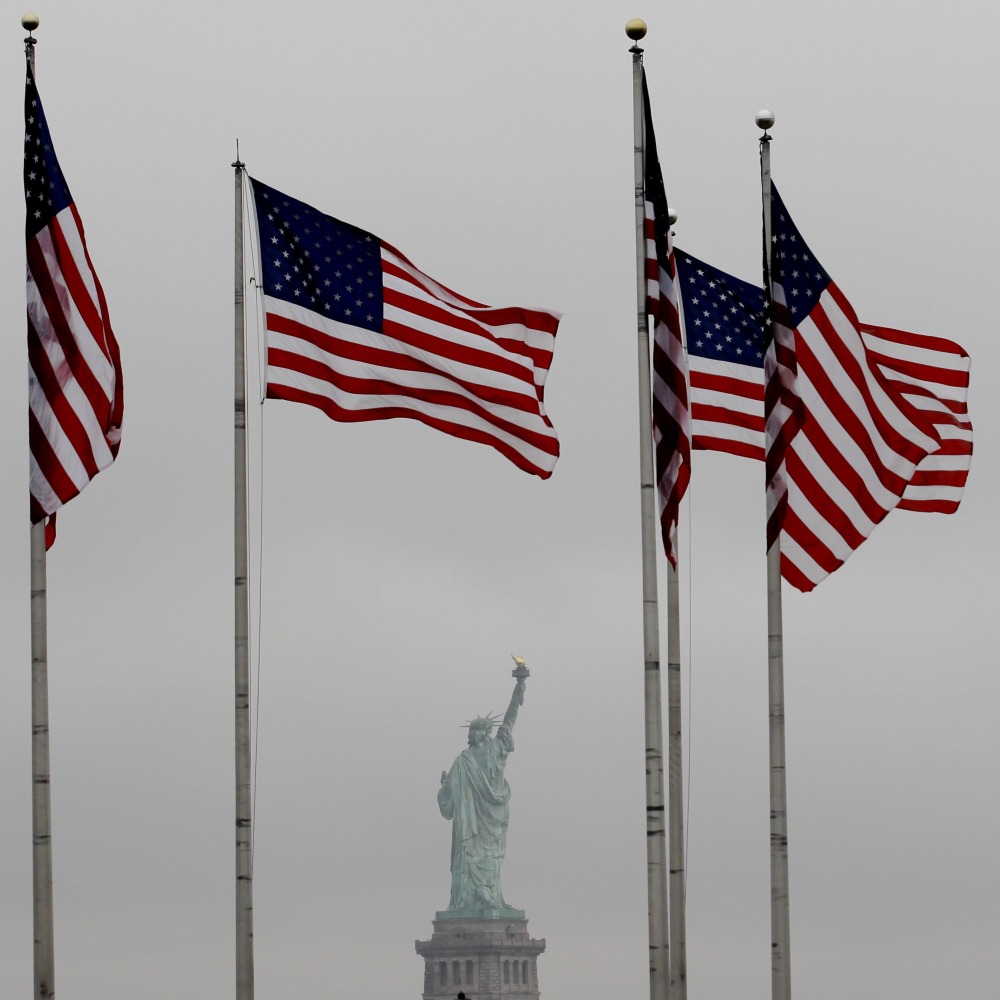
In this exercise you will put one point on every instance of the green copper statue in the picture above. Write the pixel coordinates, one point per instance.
(474, 796)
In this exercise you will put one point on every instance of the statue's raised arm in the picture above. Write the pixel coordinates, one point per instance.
(520, 675)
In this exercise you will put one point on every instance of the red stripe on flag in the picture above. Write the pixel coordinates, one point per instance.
(921, 340)
(728, 384)
(936, 506)
(703, 412)
(705, 442)
(923, 373)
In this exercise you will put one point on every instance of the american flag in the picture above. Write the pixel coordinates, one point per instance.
(356, 330)
(74, 369)
(671, 420)
(844, 368)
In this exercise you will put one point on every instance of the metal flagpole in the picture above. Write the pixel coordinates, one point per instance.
(41, 803)
(675, 792)
(656, 861)
(244, 830)
(41, 807)
(781, 982)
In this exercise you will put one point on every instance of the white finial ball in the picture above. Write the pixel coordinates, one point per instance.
(29, 22)
(671, 216)
(764, 119)
(636, 29)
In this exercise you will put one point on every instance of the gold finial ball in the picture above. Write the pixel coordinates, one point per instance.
(636, 29)
(29, 22)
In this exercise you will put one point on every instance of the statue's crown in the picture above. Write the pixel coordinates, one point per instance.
(482, 722)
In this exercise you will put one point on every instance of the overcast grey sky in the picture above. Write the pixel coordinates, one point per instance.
(493, 145)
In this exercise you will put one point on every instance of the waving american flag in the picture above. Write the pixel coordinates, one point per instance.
(884, 419)
(74, 370)
(355, 329)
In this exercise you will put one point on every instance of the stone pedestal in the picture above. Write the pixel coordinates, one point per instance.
(486, 959)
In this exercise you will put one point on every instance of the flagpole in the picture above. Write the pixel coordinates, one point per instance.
(41, 802)
(675, 792)
(781, 984)
(656, 861)
(41, 807)
(244, 829)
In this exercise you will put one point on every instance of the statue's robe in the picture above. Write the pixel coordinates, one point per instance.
(474, 797)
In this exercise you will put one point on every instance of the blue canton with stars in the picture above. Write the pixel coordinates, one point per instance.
(795, 268)
(319, 262)
(45, 190)
(723, 316)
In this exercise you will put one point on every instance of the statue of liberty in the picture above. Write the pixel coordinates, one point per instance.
(474, 796)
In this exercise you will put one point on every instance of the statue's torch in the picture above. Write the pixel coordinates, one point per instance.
(520, 672)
